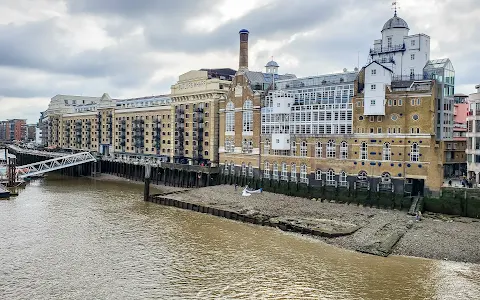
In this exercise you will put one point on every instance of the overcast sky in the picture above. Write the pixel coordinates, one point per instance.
(133, 48)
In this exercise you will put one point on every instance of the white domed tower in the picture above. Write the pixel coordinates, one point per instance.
(271, 67)
(406, 55)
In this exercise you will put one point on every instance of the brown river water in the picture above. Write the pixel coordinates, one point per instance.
(75, 238)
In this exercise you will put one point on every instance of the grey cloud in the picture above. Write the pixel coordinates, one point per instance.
(36, 46)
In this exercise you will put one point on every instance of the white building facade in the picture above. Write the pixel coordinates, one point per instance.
(473, 136)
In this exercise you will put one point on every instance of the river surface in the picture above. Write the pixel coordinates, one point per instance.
(65, 238)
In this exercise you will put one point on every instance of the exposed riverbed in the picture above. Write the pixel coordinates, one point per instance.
(71, 238)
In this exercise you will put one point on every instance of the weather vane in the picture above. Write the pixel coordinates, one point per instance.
(395, 7)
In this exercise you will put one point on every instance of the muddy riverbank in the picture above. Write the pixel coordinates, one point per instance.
(358, 228)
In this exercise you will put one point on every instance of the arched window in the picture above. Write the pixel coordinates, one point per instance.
(331, 149)
(330, 178)
(284, 172)
(415, 152)
(293, 149)
(266, 170)
(387, 152)
(362, 176)
(230, 117)
(363, 151)
(226, 167)
(250, 170)
(293, 173)
(386, 178)
(342, 180)
(318, 149)
(303, 149)
(275, 171)
(303, 173)
(244, 169)
(266, 147)
(344, 150)
(318, 175)
(232, 168)
(248, 116)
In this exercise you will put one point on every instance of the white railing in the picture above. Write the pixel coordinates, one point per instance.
(37, 152)
(54, 164)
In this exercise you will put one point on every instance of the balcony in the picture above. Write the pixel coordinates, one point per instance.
(381, 50)
(412, 77)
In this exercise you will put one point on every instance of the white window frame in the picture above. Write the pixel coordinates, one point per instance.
(331, 149)
(318, 174)
(244, 169)
(293, 173)
(232, 168)
(275, 171)
(386, 178)
(330, 178)
(373, 87)
(230, 117)
(344, 150)
(250, 170)
(303, 174)
(363, 151)
(415, 153)
(387, 152)
(342, 179)
(266, 170)
(266, 147)
(284, 171)
(248, 116)
(293, 148)
(303, 149)
(318, 149)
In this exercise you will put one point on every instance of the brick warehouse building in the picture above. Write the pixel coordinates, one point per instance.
(383, 127)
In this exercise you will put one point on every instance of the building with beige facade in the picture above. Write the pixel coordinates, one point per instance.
(370, 128)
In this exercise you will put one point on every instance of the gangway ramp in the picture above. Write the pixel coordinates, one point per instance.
(54, 164)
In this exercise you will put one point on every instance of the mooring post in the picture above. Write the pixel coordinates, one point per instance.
(146, 190)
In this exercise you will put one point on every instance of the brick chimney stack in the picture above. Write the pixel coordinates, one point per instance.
(243, 62)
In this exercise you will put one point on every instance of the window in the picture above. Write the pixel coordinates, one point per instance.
(363, 151)
(330, 178)
(412, 73)
(372, 119)
(250, 170)
(412, 102)
(372, 102)
(344, 150)
(412, 56)
(331, 149)
(418, 101)
(379, 129)
(293, 173)
(362, 176)
(415, 117)
(318, 175)
(389, 102)
(229, 145)
(373, 87)
(318, 150)
(284, 172)
(275, 171)
(248, 116)
(266, 170)
(232, 168)
(230, 117)
(303, 149)
(293, 149)
(415, 152)
(342, 180)
(387, 152)
(389, 42)
(412, 42)
(379, 119)
(303, 173)
(244, 169)
(386, 178)
(400, 102)
(374, 72)
(266, 147)
(394, 117)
